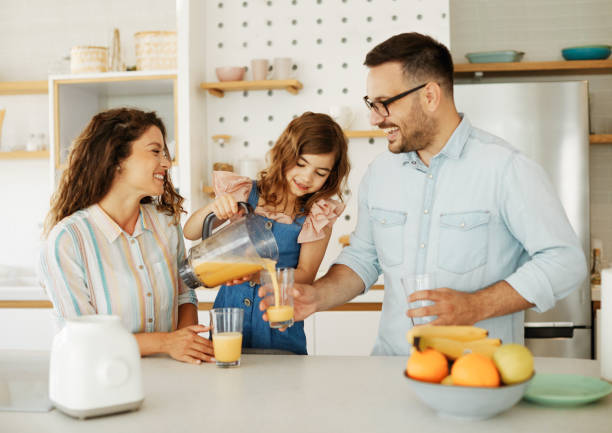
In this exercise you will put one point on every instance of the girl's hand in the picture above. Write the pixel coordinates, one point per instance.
(187, 346)
(225, 207)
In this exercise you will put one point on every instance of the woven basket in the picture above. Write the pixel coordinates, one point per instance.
(86, 59)
(155, 50)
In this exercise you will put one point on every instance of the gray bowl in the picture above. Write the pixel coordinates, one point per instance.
(468, 402)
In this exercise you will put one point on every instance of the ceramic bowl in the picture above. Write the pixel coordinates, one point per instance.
(586, 52)
(468, 402)
(230, 73)
(495, 56)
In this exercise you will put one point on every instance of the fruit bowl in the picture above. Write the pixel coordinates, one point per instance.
(468, 402)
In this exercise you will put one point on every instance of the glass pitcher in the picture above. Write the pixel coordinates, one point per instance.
(241, 248)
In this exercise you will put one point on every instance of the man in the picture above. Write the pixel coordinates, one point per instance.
(451, 200)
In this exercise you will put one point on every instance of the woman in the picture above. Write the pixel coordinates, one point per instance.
(114, 237)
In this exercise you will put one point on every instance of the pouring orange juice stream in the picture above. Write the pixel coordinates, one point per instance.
(215, 273)
(277, 312)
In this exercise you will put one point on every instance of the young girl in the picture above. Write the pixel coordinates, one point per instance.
(308, 165)
(115, 242)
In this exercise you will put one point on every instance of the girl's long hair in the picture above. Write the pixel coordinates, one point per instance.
(310, 133)
(93, 161)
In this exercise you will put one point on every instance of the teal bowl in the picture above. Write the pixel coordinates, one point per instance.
(587, 52)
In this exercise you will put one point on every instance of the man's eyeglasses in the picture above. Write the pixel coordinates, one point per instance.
(382, 107)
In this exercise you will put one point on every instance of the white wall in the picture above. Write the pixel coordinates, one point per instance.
(327, 41)
(34, 34)
(43, 31)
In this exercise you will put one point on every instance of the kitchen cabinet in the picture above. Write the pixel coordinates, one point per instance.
(345, 333)
(74, 99)
(350, 330)
(26, 328)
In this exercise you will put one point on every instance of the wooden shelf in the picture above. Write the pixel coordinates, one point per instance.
(24, 154)
(600, 138)
(23, 87)
(564, 65)
(219, 88)
(365, 133)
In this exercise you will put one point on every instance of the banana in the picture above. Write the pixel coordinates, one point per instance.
(459, 333)
(453, 349)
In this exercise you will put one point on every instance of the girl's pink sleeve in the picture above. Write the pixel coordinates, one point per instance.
(323, 213)
(227, 182)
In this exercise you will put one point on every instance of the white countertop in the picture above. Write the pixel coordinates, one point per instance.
(289, 394)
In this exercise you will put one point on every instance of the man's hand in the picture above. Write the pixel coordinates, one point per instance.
(451, 306)
(305, 301)
(460, 308)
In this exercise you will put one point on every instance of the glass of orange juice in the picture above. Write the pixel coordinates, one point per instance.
(226, 329)
(279, 297)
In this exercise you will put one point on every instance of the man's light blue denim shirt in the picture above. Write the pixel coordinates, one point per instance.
(480, 213)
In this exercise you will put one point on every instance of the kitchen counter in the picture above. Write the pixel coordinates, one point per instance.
(36, 293)
(288, 394)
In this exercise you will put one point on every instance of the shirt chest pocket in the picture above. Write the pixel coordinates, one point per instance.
(388, 232)
(464, 239)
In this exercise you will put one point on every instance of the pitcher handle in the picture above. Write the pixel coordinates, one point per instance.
(211, 217)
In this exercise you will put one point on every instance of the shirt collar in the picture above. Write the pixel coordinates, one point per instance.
(455, 144)
(111, 229)
(453, 147)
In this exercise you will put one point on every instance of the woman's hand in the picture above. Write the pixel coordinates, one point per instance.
(224, 207)
(187, 346)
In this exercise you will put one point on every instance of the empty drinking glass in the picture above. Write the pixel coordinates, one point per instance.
(413, 283)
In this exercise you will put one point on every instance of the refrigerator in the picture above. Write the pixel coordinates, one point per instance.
(547, 121)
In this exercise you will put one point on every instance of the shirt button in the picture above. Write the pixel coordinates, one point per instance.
(247, 302)
(149, 294)
(140, 267)
(269, 225)
(383, 221)
(426, 211)
(422, 245)
(462, 224)
(430, 176)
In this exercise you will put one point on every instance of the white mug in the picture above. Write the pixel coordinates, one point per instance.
(259, 69)
(342, 114)
(282, 68)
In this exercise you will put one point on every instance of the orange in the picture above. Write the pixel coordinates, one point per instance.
(475, 369)
(428, 366)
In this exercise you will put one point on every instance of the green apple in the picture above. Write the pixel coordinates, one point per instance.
(514, 362)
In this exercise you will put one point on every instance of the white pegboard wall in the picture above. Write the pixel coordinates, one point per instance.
(328, 41)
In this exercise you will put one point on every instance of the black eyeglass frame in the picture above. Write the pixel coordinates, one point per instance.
(373, 105)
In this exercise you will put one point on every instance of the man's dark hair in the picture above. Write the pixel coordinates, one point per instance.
(422, 57)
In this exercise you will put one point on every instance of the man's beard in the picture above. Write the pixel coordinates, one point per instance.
(422, 134)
